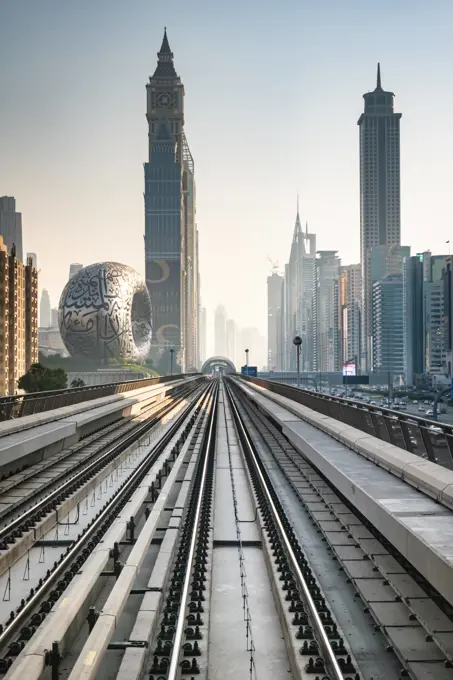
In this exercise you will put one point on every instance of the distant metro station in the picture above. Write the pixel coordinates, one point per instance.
(218, 365)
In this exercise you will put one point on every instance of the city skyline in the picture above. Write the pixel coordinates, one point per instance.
(327, 163)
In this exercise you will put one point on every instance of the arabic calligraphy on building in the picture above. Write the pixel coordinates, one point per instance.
(105, 312)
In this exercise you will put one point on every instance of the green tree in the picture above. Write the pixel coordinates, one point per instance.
(39, 378)
(78, 382)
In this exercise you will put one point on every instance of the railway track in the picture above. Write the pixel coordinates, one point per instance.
(396, 625)
(224, 554)
(20, 493)
(44, 502)
(72, 553)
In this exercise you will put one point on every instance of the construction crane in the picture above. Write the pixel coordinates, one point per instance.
(274, 264)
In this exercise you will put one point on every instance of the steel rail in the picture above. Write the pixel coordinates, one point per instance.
(87, 468)
(330, 659)
(122, 493)
(172, 672)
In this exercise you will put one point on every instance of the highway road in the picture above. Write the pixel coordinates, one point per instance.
(413, 409)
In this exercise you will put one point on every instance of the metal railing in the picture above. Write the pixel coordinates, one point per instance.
(20, 405)
(426, 438)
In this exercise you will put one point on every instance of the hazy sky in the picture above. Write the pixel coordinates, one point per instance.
(273, 94)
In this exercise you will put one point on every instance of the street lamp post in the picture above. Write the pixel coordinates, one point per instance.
(172, 351)
(297, 341)
(247, 358)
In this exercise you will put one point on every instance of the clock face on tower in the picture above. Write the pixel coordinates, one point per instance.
(165, 100)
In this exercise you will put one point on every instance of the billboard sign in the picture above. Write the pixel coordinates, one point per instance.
(356, 379)
(349, 369)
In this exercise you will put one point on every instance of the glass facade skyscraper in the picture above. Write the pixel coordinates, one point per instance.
(171, 240)
(388, 326)
(380, 211)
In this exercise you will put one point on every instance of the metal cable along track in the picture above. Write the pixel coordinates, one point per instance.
(34, 610)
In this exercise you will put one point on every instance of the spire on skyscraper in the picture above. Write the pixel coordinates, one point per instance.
(297, 226)
(165, 68)
(165, 47)
(378, 84)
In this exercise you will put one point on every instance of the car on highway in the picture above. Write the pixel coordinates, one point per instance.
(415, 402)
(430, 412)
(421, 409)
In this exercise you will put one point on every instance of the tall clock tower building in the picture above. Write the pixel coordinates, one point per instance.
(171, 250)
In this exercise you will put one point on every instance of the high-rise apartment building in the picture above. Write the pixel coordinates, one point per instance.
(231, 339)
(414, 317)
(298, 296)
(18, 319)
(436, 360)
(385, 260)
(380, 212)
(45, 310)
(203, 336)
(447, 279)
(388, 327)
(11, 226)
(171, 242)
(220, 319)
(250, 338)
(74, 269)
(34, 260)
(324, 329)
(275, 284)
(348, 298)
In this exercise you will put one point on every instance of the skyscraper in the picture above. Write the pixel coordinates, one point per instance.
(220, 343)
(11, 226)
(203, 336)
(380, 213)
(413, 316)
(34, 260)
(348, 301)
(44, 310)
(231, 339)
(74, 268)
(298, 296)
(274, 321)
(54, 318)
(324, 328)
(388, 327)
(171, 251)
(436, 333)
(18, 319)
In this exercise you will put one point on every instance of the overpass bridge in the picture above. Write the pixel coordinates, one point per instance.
(193, 527)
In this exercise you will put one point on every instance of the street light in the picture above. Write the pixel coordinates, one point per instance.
(172, 351)
(246, 357)
(297, 341)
